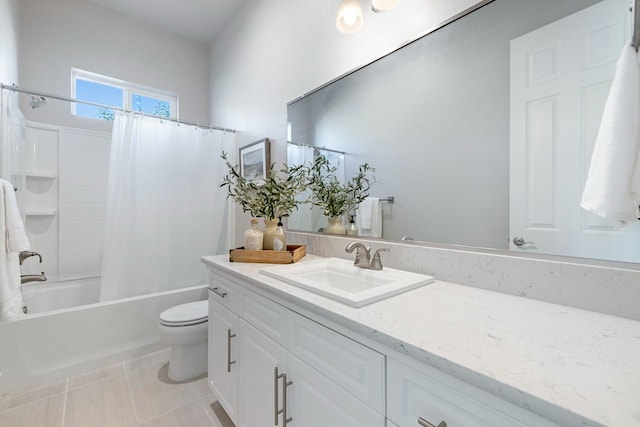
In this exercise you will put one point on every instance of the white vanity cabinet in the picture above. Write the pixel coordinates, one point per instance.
(261, 361)
(271, 366)
(222, 366)
(223, 374)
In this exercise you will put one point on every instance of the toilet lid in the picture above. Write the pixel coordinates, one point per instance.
(193, 312)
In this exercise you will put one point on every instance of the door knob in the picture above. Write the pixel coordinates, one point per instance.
(519, 241)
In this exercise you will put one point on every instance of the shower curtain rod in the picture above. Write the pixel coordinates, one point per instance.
(109, 107)
(635, 39)
(314, 147)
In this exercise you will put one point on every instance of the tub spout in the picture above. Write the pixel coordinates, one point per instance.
(26, 278)
(26, 254)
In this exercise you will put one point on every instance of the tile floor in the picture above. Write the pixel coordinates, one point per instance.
(135, 393)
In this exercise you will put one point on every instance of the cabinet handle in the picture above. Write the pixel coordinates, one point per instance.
(425, 423)
(229, 361)
(283, 411)
(219, 293)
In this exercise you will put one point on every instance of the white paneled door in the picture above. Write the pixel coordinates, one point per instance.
(560, 80)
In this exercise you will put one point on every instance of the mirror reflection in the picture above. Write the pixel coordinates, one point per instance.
(482, 131)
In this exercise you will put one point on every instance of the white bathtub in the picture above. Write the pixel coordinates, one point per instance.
(67, 332)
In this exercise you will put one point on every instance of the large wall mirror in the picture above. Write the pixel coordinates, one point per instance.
(482, 130)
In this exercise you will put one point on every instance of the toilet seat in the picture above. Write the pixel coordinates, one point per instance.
(188, 314)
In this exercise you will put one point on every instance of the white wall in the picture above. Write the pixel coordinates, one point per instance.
(58, 35)
(277, 50)
(8, 41)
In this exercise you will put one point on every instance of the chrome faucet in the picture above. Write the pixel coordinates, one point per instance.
(26, 254)
(363, 256)
(26, 278)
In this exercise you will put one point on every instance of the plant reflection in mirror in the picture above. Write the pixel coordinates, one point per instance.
(328, 193)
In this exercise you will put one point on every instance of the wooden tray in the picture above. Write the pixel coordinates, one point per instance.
(294, 253)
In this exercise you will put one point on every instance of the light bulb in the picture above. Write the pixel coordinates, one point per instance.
(349, 19)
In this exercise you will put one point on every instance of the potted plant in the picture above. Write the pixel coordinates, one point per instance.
(336, 199)
(271, 198)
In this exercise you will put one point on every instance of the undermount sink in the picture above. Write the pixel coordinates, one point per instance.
(340, 280)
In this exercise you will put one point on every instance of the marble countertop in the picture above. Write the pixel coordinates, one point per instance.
(571, 366)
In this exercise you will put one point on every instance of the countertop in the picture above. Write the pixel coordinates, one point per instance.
(571, 366)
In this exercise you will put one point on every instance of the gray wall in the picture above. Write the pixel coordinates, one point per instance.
(433, 119)
(8, 41)
(275, 50)
(58, 35)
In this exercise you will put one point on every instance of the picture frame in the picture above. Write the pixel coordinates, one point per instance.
(255, 161)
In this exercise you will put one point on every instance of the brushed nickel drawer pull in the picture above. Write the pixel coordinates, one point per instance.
(425, 423)
(283, 411)
(219, 293)
(229, 361)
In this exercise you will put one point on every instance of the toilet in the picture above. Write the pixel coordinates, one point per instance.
(184, 329)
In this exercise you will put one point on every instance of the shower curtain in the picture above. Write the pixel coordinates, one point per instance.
(164, 207)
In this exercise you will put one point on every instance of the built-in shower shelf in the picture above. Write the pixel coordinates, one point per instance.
(40, 212)
(40, 174)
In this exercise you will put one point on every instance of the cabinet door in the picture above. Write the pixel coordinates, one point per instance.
(316, 401)
(258, 356)
(223, 368)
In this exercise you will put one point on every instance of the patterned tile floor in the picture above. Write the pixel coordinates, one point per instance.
(135, 393)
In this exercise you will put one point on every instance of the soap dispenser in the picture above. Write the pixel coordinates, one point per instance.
(279, 237)
(352, 229)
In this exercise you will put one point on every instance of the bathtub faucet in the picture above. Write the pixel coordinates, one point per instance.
(26, 254)
(26, 278)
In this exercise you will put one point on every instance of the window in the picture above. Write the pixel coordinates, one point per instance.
(105, 90)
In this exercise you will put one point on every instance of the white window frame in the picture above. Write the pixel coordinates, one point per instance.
(128, 90)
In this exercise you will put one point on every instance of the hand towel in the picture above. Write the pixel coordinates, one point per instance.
(15, 237)
(369, 217)
(10, 294)
(612, 189)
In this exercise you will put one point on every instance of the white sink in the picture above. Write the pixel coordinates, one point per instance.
(340, 280)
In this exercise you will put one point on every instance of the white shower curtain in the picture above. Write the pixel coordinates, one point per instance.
(164, 207)
(300, 219)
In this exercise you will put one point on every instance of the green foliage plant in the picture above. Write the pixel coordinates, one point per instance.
(336, 199)
(271, 198)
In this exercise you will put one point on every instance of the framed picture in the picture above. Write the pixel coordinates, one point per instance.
(255, 161)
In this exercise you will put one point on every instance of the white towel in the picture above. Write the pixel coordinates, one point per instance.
(15, 237)
(369, 217)
(15, 241)
(612, 189)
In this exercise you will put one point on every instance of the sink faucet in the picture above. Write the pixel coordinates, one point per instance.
(363, 256)
(375, 263)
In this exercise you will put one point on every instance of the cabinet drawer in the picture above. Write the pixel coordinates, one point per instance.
(265, 315)
(223, 290)
(354, 367)
(317, 401)
(413, 395)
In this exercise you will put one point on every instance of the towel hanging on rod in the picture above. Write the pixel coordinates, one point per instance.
(635, 38)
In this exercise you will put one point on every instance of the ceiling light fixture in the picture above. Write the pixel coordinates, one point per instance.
(382, 5)
(349, 18)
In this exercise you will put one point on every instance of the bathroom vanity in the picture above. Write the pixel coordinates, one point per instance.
(282, 355)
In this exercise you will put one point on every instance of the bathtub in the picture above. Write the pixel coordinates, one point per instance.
(67, 332)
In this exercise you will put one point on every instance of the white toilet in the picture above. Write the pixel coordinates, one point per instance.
(184, 328)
